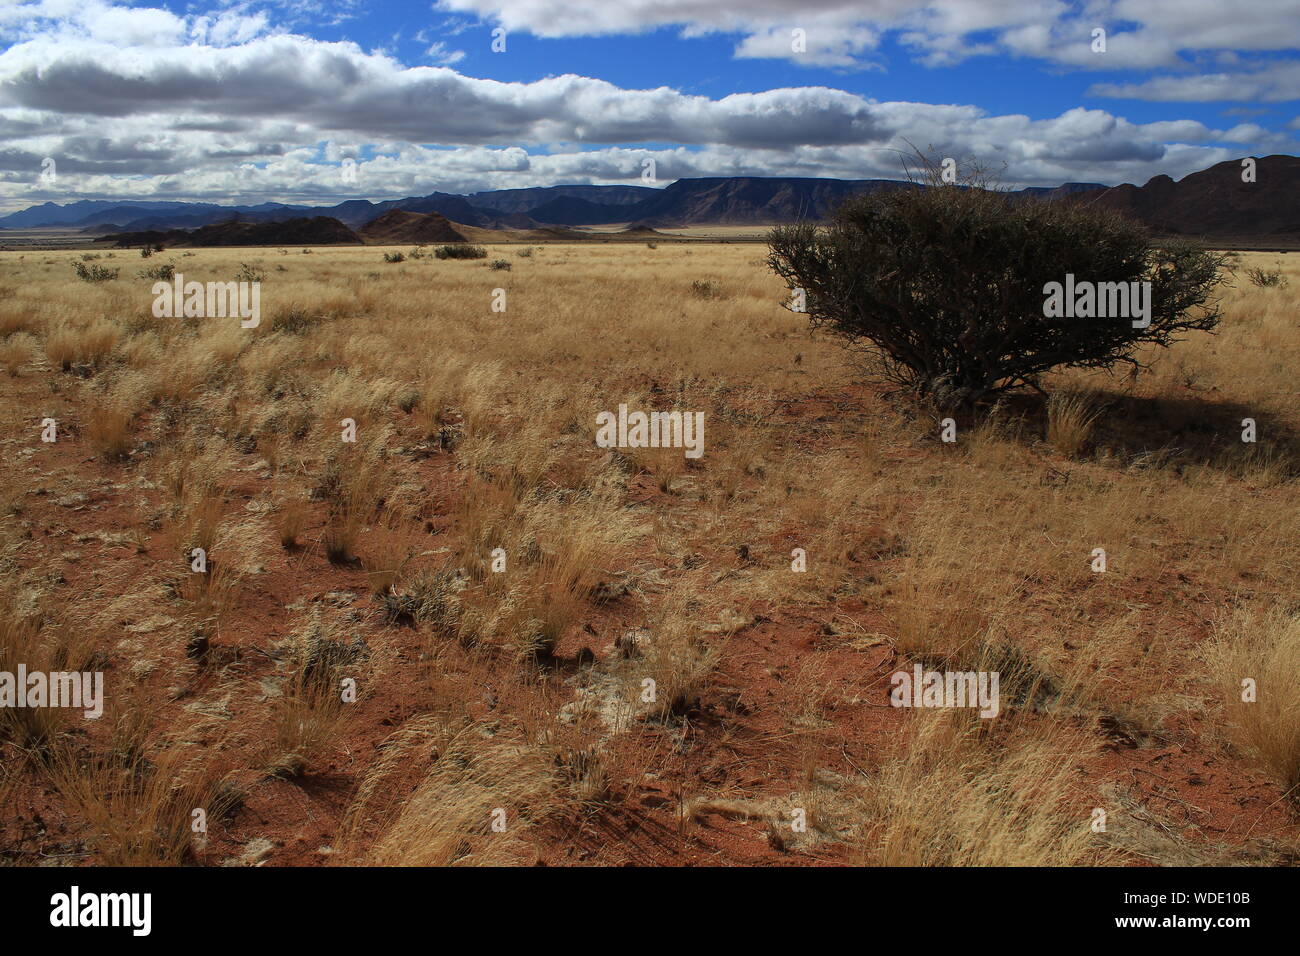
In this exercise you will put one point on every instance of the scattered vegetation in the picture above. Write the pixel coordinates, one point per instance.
(460, 251)
(94, 273)
(704, 289)
(471, 636)
(1266, 278)
(164, 271)
(250, 273)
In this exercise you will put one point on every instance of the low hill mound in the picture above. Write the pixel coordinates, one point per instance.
(399, 227)
(316, 231)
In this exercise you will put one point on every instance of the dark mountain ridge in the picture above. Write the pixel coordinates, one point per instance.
(1213, 202)
(306, 231)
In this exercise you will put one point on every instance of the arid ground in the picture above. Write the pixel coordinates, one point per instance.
(498, 592)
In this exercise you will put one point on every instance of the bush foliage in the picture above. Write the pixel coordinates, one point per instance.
(460, 252)
(944, 284)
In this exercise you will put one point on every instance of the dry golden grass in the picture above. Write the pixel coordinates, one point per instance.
(1261, 646)
(291, 518)
(472, 808)
(353, 482)
(37, 636)
(676, 657)
(951, 797)
(14, 318)
(576, 541)
(61, 347)
(313, 705)
(108, 429)
(139, 805)
(23, 640)
(475, 431)
(306, 721)
(436, 391)
(15, 352)
(1070, 421)
(96, 341)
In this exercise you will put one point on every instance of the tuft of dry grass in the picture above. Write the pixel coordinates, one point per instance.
(25, 640)
(951, 797)
(15, 352)
(138, 805)
(89, 344)
(61, 347)
(311, 711)
(1254, 660)
(108, 429)
(1071, 418)
(677, 656)
(291, 518)
(950, 598)
(437, 392)
(202, 505)
(354, 480)
(576, 541)
(475, 807)
(14, 318)
(664, 465)
(306, 720)
(96, 341)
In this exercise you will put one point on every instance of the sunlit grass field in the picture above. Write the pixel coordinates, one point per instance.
(498, 590)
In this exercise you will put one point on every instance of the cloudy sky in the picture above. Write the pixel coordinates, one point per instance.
(285, 101)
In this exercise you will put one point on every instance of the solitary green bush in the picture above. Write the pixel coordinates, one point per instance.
(946, 285)
(94, 273)
(1266, 279)
(164, 271)
(460, 252)
(250, 273)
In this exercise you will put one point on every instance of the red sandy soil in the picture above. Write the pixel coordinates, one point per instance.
(736, 744)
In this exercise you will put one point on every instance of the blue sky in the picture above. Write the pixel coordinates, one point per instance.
(259, 101)
(706, 65)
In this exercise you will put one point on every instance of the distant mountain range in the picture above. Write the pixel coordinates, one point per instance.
(743, 200)
(1214, 202)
